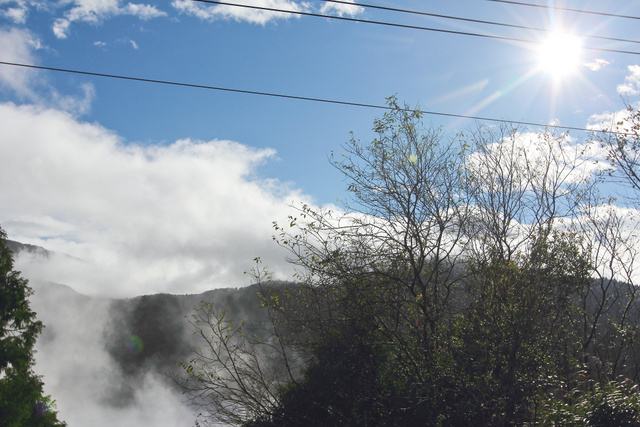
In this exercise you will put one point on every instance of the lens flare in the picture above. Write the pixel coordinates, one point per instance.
(133, 344)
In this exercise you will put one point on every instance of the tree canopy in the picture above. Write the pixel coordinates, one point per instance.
(468, 281)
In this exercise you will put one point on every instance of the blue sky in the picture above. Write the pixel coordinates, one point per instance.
(176, 188)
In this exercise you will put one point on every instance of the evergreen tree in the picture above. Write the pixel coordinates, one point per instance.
(22, 401)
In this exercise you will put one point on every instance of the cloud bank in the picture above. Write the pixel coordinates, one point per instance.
(179, 218)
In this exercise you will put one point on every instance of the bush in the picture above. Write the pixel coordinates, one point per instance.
(614, 404)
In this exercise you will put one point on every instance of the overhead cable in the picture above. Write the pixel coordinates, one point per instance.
(301, 98)
(390, 24)
(476, 21)
(567, 10)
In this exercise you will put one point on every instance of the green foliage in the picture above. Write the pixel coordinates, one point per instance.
(517, 336)
(21, 395)
(611, 404)
(340, 387)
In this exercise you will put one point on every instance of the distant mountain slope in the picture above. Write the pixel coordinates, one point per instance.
(150, 333)
(17, 247)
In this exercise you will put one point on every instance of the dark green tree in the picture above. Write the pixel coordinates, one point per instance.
(22, 402)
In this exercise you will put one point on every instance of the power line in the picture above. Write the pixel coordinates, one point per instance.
(296, 97)
(476, 21)
(390, 24)
(567, 10)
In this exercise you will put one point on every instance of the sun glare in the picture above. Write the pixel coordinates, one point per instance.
(559, 55)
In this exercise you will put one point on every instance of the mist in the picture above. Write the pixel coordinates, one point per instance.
(80, 373)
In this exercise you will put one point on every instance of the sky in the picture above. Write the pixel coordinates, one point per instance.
(143, 187)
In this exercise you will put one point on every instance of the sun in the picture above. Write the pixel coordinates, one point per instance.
(559, 55)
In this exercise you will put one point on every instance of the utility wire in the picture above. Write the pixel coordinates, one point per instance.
(390, 24)
(302, 98)
(476, 21)
(567, 10)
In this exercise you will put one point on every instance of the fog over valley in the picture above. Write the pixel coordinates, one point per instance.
(107, 361)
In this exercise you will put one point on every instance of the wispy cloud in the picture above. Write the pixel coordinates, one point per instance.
(342, 9)
(95, 12)
(18, 45)
(178, 218)
(142, 11)
(254, 16)
(597, 64)
(76, 104)
(14, 10)
(130, 42)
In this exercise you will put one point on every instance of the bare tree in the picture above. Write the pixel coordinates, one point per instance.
(522, 185)
(621, 140)
(238, 369)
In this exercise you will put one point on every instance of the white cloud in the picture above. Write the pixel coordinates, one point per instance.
(613, 230)
(617, 121)
(60, 28)
(16, 11)
(631, 85)
(142, 11)
(96, 11)
(596, 64)
(254, 16)
(342, 9)
(18, 46)
(179, 218)
(541, 160)
(77, 105)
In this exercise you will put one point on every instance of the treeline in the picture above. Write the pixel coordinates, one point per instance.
(481, 280)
